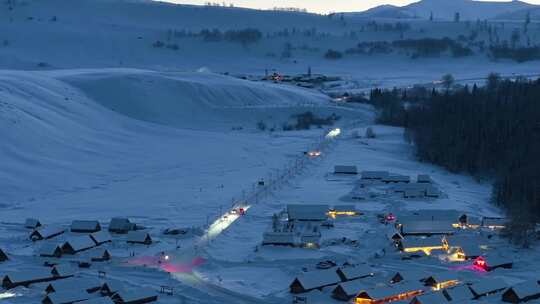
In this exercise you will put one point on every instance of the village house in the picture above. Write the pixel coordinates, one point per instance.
(286, 238)
(65, 297)
(395, 292)
(347, 290)
(425, 228)
(354, 272)
(352, 170)
(467, 249)
(312, 280)
(374, 175)
(396, 179)
(442, 280)
(139, 237)
(492, 262)
(45, 233)
(85, 226)
(32, 223)
(77, 244)
(50, 250)
(121, 225)
(458, 294)
(427, 245)
(139, 296)
(522, 292)
(430, 298)
(409, 276)
(26, 278)
(87, 284)
(3, 256)
(101, 237)
(315, 213)
(101, 300)
(487, 286)
(100, 255)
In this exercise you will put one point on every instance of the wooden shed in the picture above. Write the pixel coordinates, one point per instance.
(85, 226)
(522, 292)
(139, 237)
(314, 280)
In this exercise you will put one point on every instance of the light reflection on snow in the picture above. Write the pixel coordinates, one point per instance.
(217, 227)
(333, 133)
(7, 295)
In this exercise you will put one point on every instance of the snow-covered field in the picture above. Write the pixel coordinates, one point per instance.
(96, 123)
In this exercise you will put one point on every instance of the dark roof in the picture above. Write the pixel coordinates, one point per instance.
(307, 212)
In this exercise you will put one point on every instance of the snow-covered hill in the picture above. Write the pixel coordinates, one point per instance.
(446, 9)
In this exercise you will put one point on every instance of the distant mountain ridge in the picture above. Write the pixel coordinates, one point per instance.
(446, 10)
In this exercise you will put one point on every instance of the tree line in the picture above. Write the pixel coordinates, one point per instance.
(491, 131)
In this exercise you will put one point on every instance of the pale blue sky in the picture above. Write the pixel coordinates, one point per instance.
(320, 6)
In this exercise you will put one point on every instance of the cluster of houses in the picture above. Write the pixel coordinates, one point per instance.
(423, 187)
(303, 223)
(308, 80)
(61, 285)
(360, 284)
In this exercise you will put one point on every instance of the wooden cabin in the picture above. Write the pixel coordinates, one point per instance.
(395, 292)
(346, 291)
(45, 233)
(354, 272)
(304, 213)
(427, 245)
(139, 237)
(409, 276)
(32, 223)
(27, 278)
(425, 228)
(442, 280)
(78, 244)
(312, 280)
(3, 256)
(101, 237)
(121, 225)
(85, 226)
(349, 170)
(50, 250)
(458, 294)
(430, 298)
(139, 296)
(522, 292)
(486, 287)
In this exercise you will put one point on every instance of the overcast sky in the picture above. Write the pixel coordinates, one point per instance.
(320, 6)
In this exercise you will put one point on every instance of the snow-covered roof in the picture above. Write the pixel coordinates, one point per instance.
(427, 227)
(79, 243)
(138, 236)
(345, 169)
(112, 286)
(525, 289)
(29, 275)
(3, 255)
(101, 237)
(99, 252)
(307, 212)
(49, 249)
(89, 226)
(423, 178)
(391, 290)
(344, 208)
(351, 288)
(101, 300)
(286, 238)
(459, 293)
(46, 232)
(66, 297)
(63, 270)
(134, 295)
(316, 279)
(374, 174)
(488, 285)
(32, 223)
(415, 242)
(120, 224)
(412, 275)
(392, 233)
(442, 276)
(432, 191)
(397, 179)
(358, 271)
(74, 284)
(493, 221)
(431, 298)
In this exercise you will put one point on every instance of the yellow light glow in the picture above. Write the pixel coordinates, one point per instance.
(334, 214)
(446, 284)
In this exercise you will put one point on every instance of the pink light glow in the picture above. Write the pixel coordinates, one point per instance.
(171, 267)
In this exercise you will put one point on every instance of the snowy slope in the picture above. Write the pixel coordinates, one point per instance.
(445, 9)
